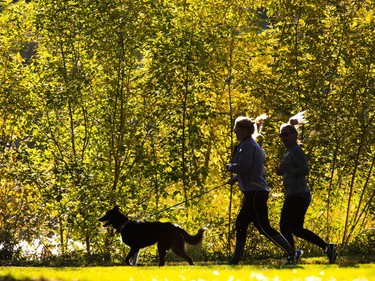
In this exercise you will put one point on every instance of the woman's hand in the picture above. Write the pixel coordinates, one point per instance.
(232, 181)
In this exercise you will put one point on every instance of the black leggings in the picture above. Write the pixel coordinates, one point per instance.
(293, 217)
(254, 209)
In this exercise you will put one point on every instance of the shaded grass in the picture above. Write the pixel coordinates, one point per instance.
(360, 272)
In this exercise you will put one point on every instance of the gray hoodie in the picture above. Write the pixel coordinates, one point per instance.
(248, 164)
(296, 170)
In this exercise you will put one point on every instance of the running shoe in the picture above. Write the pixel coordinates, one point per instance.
(295, 259)
(297, 256)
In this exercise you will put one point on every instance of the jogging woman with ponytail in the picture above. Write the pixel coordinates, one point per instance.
(294, 169)
(248, 165)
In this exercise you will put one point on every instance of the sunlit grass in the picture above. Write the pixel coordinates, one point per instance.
(198, 273)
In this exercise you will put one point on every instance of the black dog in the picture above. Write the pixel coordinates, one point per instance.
(138, 235)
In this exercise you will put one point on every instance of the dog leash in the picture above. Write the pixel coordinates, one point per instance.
(189, 199)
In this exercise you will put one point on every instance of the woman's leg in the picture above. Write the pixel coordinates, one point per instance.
(262, 223)
(243, 218)
(242, 222)
(286, 223)
(295, 218)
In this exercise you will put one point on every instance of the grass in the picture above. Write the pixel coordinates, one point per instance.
(308, 272)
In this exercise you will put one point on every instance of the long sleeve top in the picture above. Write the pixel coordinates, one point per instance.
(248, 164)
(295, 171)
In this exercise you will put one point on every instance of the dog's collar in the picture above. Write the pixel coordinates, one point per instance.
(122, 226)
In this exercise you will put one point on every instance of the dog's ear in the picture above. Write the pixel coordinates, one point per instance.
(116, 208)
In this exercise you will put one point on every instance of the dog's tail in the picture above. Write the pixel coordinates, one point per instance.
(193, 239)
